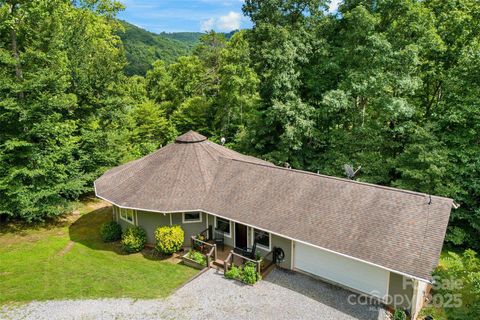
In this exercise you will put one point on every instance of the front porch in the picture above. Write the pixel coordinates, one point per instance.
(222, 256)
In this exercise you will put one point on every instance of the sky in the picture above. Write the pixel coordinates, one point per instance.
(188, 15)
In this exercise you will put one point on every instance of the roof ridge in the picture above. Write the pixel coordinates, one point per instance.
(339, 179)
(201, 168)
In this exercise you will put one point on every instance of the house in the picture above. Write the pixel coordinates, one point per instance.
(371, 239)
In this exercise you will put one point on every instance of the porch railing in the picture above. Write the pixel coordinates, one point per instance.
(268, 261)
(231, 259)
(208, 249)
(261, 266)
(207, 233)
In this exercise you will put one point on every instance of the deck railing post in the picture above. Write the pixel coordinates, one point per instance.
(215, 251)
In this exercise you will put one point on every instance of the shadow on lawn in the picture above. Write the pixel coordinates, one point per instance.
(86, 230)
(23, 228)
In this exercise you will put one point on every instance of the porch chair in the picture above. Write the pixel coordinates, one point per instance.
(247, 252)
(219, 239)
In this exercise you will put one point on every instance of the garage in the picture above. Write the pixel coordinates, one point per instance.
(342, 270)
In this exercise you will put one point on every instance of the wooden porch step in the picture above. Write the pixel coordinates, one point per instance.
(268, 270)
(219, 263)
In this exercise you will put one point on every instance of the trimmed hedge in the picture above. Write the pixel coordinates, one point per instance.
(134, 239)
(169, 239)
(111, 231)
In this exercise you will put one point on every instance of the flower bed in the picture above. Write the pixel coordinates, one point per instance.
(195, 259)
(246, 273)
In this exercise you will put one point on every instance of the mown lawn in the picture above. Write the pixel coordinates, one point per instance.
(68, 260)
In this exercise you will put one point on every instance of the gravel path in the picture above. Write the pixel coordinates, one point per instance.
(282, 295)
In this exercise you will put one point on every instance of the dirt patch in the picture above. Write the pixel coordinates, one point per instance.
(152, 253)
(67, 248)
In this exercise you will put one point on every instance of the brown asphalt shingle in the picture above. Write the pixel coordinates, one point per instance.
(393, 228)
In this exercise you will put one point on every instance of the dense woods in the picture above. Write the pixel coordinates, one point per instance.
(390, 85)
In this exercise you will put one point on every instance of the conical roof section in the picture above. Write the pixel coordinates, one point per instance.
(173, 178)
(190, 137)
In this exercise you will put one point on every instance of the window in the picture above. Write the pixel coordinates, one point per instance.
(127, 215)
(223, 225)
(263, 239)
(191, 217)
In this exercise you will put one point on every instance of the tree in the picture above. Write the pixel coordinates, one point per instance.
(281, 43)
(38, 169)
(457, 283)
(61, 103)
(193, 115)
(150, 130)
(238, 88)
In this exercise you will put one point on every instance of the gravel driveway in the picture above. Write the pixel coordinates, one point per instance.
(282, 295)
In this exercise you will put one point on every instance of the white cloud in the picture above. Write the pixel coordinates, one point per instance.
(207, 25)
(333, 6)
(225, 23)
(229, 22)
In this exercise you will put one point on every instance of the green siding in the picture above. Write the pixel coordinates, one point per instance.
(279, 242)
(190, 229)
(150, 221)
(399, 290)
(286, 245)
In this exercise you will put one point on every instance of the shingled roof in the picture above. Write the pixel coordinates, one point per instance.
(396, 229)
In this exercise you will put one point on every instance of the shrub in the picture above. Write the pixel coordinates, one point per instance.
(111, 231)
(197, 257)
(169, 239)
(233, 273)
(399, 315)
(249, 274)
(134, 239)
(457, 281)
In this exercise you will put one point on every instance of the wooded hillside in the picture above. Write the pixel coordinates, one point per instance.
(142, 48)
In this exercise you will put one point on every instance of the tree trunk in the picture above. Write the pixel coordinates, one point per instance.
(16, 56)
(15, 53)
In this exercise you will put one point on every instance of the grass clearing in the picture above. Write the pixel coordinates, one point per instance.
(68, 260)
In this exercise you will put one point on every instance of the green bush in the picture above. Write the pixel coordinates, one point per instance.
(169, 239)
(233, 273)
(399, 315)
(457, 279)
(249, 274)
(197, 257)
(111, 231)
(134, 239)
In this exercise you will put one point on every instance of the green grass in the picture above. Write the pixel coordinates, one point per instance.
(68, 260)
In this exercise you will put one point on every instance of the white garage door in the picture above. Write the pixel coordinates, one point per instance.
(345, 271)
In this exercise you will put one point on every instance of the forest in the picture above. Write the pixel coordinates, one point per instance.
(143, 48)
(389, 85)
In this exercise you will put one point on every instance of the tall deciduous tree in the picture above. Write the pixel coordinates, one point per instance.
(38, 169)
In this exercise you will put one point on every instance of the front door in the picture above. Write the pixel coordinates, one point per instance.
(240, 235)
